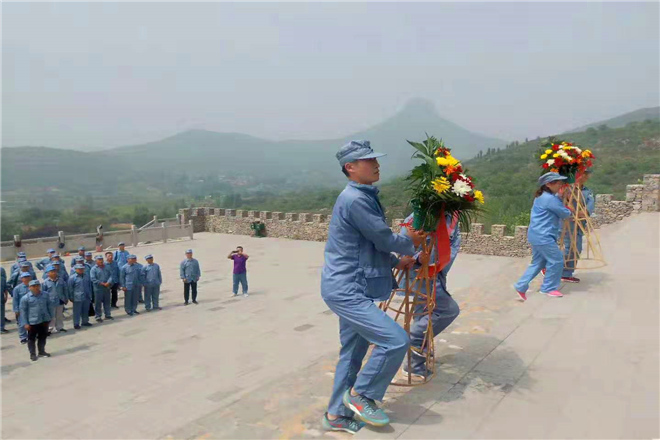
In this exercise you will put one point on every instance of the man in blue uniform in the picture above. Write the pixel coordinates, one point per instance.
(19, 292)
(101, 276)
(35, 316)
(358, 272)
(15, 278)
(81, 253)
(152, 280)
(44, 262)
(20, 257)
(114, 267)
(190, 273)
(58, 296)
(569, 258)
(129, 282)
(80, 293)
(89, 260)
(121, 255)
(446, 309)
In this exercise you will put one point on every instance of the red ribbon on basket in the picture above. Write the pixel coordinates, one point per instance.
(442, 244)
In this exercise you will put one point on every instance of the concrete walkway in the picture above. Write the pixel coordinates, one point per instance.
(583, 366)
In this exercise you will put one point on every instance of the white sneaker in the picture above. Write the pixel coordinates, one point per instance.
(245, 295)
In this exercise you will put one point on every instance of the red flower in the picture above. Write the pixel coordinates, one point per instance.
(469, 198)
(558, 162)
(546, 166)
(555, 147)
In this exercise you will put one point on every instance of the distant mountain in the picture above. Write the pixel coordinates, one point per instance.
(643, 114)
(205, 151)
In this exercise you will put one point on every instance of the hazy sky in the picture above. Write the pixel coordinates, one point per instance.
(79, 75)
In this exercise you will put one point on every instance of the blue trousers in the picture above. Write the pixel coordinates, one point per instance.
(569, 267)
(242, 279)
(2, 316)
(81, 311)
(102, 302)
(22, 333)
(130, 300)
(140, 297)
(362, 323)
(151, 294)
(445, 312)
(546, 256)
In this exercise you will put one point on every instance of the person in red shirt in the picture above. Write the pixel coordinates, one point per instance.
(240, 270)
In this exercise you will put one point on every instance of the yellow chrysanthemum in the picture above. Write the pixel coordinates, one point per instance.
(544, 156)
(548, 151)
(441, 185)
(555, 155)
(586, 153)
(445, 161)
(479, 196)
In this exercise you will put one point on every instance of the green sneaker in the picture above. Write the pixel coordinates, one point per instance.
(346, 424)
(365, 409)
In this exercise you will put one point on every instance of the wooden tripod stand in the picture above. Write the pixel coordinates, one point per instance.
(418, 300)
(575, 227)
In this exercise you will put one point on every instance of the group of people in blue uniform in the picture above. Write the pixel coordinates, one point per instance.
(91, 286)
(360, 254)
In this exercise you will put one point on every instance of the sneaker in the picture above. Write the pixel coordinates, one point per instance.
(554, 294)
(44, 355)
(195, 301)
(365, 409)
(77, 327)
(4, 330)
(110, 318)
(33, 357)
(87, 324)
(62, 330)
(522, 295)
(136, 312)
(421, 373)
(570, 279)
(99, 320)
(23, 341)
(185, 303)
(345, 424)
(235, 294)
(245, 295)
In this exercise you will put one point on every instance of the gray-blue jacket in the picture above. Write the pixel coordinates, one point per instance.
(189, 270)
(151, 275)
(35, 309)
(80, 287)
(114, 268)
(358, 254)
(130, 276)
(58, 291)
(101, 275)
(19, 292)
(121, 257)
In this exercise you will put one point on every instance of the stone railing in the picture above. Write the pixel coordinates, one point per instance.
(314, 227)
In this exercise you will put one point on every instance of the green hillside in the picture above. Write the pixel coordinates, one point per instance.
(641, 115)
(507, 177)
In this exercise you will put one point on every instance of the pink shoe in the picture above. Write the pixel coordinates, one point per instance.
(570, 279)
(554, 293)
(522, 296)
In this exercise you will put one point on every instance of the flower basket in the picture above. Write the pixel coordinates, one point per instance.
(440, 184)
(564, 158)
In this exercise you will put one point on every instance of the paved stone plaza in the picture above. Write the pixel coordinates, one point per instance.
(582, 366)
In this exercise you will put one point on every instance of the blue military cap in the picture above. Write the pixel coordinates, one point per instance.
(35, 283)
(148, 257)
(356, 150)
(189, 251)
(51, 251)
(56, 263)
(21, 254)
(550, 177)
(99, 257)
(81, 248)
(79, 266)
(121, 243)
(132, 256)
(88, 254)
(25, 274)
(79, 259)
(22, 258)
(50, 267)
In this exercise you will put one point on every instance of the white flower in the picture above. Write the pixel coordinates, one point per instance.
(461, 188)
(550, 161)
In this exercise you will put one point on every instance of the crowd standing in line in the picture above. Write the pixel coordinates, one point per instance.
(91, 287)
